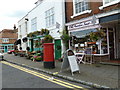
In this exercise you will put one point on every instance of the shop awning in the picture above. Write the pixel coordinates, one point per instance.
(110, 18)
(83, 33)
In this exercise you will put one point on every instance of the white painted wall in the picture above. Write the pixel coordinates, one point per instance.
(22, 32)
(39, 12)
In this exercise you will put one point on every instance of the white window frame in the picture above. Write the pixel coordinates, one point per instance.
(108, 4)
(77, 14)
(5, 40)
(50, 17)
(34, 24)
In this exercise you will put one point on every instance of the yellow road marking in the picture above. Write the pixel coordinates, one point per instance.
(55, 73)
(62, 83)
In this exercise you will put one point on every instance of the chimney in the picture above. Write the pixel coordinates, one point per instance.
(14, 27)
(38, 2)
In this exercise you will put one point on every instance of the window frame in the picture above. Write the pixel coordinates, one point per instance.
(50, 17)
(5, 40)
(108, 4)
(82, 12)
(34, 24)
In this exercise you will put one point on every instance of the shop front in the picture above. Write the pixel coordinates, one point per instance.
(35, 43)
(88, 34)
(112, 23)
(6, 47)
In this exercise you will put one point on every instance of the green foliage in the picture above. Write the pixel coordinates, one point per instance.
(33, 34)
(44, 31)
(36, 44)
(48, 39)
(94, 36)
(37, 57)
(36, 33)
(65, 37)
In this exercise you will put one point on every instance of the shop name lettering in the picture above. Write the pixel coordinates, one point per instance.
(81, 24)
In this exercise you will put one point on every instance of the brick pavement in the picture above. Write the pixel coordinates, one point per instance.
(96, 75)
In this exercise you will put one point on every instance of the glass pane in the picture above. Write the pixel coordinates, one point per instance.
(52, 19)
(107, 1)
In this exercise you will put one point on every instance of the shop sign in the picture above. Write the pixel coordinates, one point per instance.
(70, 61)
(83, 24)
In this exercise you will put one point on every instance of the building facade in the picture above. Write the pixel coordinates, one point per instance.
(86, 16)
(48, 14)
(7, 39)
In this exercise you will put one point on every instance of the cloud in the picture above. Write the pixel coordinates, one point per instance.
(16, 14)
(13, 10)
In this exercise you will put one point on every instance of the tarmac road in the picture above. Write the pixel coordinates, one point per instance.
(14, 76)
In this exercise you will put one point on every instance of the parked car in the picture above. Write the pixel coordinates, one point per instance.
(11, 51)
(1, 55)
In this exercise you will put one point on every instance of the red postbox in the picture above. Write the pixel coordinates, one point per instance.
(48, 55)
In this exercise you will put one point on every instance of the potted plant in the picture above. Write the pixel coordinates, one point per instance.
(65, 37)
(37, 57)
(48, 39)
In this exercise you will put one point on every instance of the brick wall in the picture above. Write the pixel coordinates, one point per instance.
(94, 6)
(11, 34)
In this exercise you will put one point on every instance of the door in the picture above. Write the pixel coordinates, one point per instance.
(6, 49)
(111, 44)
(31, 45)
(57, 49)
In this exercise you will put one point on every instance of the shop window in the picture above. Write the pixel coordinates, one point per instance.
(10, 47)
(97, 47)
(104, 44)
(2, 47)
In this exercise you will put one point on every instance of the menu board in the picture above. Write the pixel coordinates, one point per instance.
(70, 61)
(73, 63)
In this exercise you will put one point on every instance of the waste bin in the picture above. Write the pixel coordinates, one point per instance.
(48, 55)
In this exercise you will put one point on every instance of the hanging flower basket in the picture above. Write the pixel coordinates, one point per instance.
(44, 32)
(48, 39)
(91, 42)
(94, 36)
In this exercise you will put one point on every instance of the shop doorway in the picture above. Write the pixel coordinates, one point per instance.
(57, 49)
(6, 49)
(111, 44)
(31, 45)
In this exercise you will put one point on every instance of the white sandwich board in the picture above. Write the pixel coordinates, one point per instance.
(70, 61)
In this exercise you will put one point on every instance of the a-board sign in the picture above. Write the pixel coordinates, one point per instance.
(73, 63)
(70, 61)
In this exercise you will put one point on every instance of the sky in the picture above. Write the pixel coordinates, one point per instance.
(11, 11)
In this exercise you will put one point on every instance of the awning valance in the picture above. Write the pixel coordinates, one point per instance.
(82, 33)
